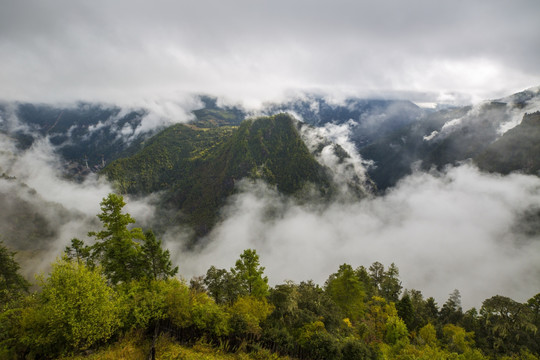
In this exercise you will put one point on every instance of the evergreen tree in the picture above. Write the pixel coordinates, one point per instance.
(250, 274)
(156, 262)
(391, 285)
(125, 254)
(406, 311)
(116, 247)
(451, 311)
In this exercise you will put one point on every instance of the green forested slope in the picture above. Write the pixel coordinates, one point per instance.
(198, 167)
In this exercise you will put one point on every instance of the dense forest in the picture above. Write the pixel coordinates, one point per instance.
(197, 167)
(117, 295)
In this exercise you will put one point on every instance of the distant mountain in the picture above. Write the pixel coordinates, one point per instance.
(517, 150)
(85, 133)
(447, 137)
(373, 118)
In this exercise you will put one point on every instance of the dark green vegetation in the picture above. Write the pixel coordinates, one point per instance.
(198, 167)
(516, 150)
(95, 296)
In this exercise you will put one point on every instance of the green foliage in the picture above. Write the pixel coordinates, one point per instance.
(347, 291)
(456, 339)
(509, 325)
(247, 314)
(156, 261)
(249, 273)
(125, 254)
(222, 285)
(451, 311)
(116, 248)
(197, 168)
(208, 317)
(355, 349)
(386, 282)
(143, 302)
(77, 309)
(74, 311)
(406, 311)
(12, 284)
(396, 331)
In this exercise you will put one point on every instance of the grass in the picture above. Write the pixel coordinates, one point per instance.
(134, 347)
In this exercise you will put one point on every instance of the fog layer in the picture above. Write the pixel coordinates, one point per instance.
(455, 229)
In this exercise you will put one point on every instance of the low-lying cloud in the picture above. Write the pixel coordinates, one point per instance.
(455, 229)
(43, 210)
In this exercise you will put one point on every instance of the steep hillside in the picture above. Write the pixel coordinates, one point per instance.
(517, 150)
(165, 159)
(198, 167)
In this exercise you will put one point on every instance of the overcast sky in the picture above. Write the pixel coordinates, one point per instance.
(249, 51)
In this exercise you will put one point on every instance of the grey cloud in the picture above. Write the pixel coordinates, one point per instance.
(255, 51)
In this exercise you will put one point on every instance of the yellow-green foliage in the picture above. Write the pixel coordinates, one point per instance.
(134, 348)
(75, 310)
(252, 312)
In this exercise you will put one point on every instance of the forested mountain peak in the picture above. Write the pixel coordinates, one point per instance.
(199, 167)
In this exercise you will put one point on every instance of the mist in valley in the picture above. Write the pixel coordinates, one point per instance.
(458, 228)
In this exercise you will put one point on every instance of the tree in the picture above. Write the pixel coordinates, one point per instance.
(534, 306)
(78, 251)
(391, 285)
(284, 297)
(432, 309)
(222, 286)
(250, 274)
(386, 283)
(347, 292)
(406, 311)
(451, 311)
(156, 262)
(427, 335)
(12, 284)
(315, 304)
(376, 272)
(75, 310)
(456, 339)
(247, 314)
(366, 280)
(508, 323)
(125, 254)
(116, 248)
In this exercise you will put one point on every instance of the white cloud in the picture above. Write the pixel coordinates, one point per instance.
(444, 231)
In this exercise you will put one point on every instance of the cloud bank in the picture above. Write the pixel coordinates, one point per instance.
(455, 229)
